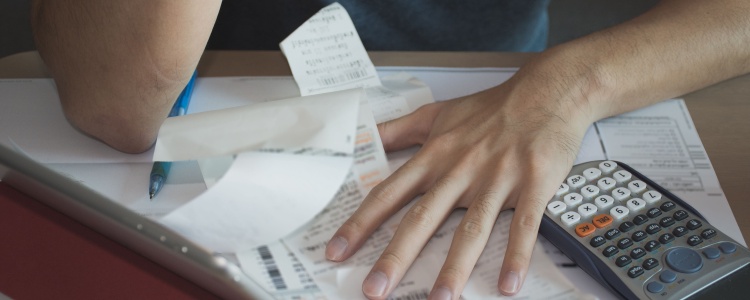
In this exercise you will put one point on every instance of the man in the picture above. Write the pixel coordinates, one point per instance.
(119, 65)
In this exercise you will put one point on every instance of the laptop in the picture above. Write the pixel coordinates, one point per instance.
(149, 238)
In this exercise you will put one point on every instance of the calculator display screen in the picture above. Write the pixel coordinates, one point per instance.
(735, 286)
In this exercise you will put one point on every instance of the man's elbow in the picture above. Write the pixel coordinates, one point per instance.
(123, 132)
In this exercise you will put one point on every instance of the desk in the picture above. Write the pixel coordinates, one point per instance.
(54, 255)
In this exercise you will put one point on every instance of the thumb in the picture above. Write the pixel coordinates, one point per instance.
(412, 129)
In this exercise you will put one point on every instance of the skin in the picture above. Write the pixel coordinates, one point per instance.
(508, 147)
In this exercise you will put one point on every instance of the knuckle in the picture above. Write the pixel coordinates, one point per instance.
(528, 222)
(471, 228)
(518, 257)
(451, 273)
(382, 195)
(391, 259)
(420, 216)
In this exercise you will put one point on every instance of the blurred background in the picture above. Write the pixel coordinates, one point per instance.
(569, 19)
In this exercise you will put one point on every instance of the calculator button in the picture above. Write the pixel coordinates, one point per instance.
(727, 247)
(651, 246)
(711, 253)
(619, 212)
(597, 241)
(635, 271)
(666, 221)
(666, 238)
(592, 173)
(622, 176)
(652, 196)
(573, 199)
(604, 201)
(636, 204)
(637, 253)
(585, 229)
(602, 220)
(654, 287)
(684, 260)
(708, 233)
(623, 261)
(653, 228)
(564, 188)
(607, 166)
(639, 235)
(556, 207)
(679, 231)
(626, 226)
(667, 206)
(680, 215)
(637, 186)
(654, 212)
(612, 233)
(624, 243)
(694, 240)
(570, 218)
(606, 183)
(590, 191)
(650, 263)
(610, 250)
(667, 276)
(586, 210)
(576, 181)
(640, 219)
(621, 193)
(694, 224)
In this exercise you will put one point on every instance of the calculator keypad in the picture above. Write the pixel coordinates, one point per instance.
(633, 227)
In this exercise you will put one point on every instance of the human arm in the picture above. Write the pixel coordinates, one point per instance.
(120, 65)
(511, 146)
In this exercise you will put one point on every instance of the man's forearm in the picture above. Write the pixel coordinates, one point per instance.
(677, 47)
(119, 65)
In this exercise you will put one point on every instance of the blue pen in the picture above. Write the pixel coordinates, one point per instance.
(160, 170)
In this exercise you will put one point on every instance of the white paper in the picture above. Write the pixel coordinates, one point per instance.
(320, 122)
(263, 197)
(326, 54)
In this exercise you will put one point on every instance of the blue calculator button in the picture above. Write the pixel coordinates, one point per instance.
(728, 247)
(684, 260)
(655, 287)
(650, 263)
(711, 253)
(667, 276)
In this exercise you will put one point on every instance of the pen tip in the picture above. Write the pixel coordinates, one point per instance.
(151, 196)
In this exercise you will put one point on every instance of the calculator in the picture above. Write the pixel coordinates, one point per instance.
(641, 241)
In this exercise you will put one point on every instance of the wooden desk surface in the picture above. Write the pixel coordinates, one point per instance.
(721, 112)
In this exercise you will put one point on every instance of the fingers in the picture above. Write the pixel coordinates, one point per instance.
(532, 200)
(468, 243)
(412, 129)
(383, 201)
(414, 231)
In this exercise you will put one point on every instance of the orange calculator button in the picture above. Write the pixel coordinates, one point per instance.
(585, 229)
(602, 220)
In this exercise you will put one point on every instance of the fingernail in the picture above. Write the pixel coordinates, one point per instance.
(441, 293)
(335, 248)
(510, 283)
(374, 285)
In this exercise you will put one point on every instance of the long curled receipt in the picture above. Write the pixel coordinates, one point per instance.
(291, 157)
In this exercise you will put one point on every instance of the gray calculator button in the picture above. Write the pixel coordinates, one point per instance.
(597, 241)
(679, 231)
(635, 271)
(711, 253)
(655, 287)
(680, 215)
(684, 260)
(610, 250)
(728, 247)
(694, 224)
(653, 228)
(650, 263)
(667, 206)
(626, 226)
(667, 276)
(623, 261)
(666, 238)
(666, 221)
(624, 243)
(651, 246)
(694, 240)
(637, 253)
(639, 235)
(708, 233)
(640, 219)
(654, 212)
(612, 233)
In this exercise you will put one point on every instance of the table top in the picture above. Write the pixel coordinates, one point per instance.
(721, 114)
